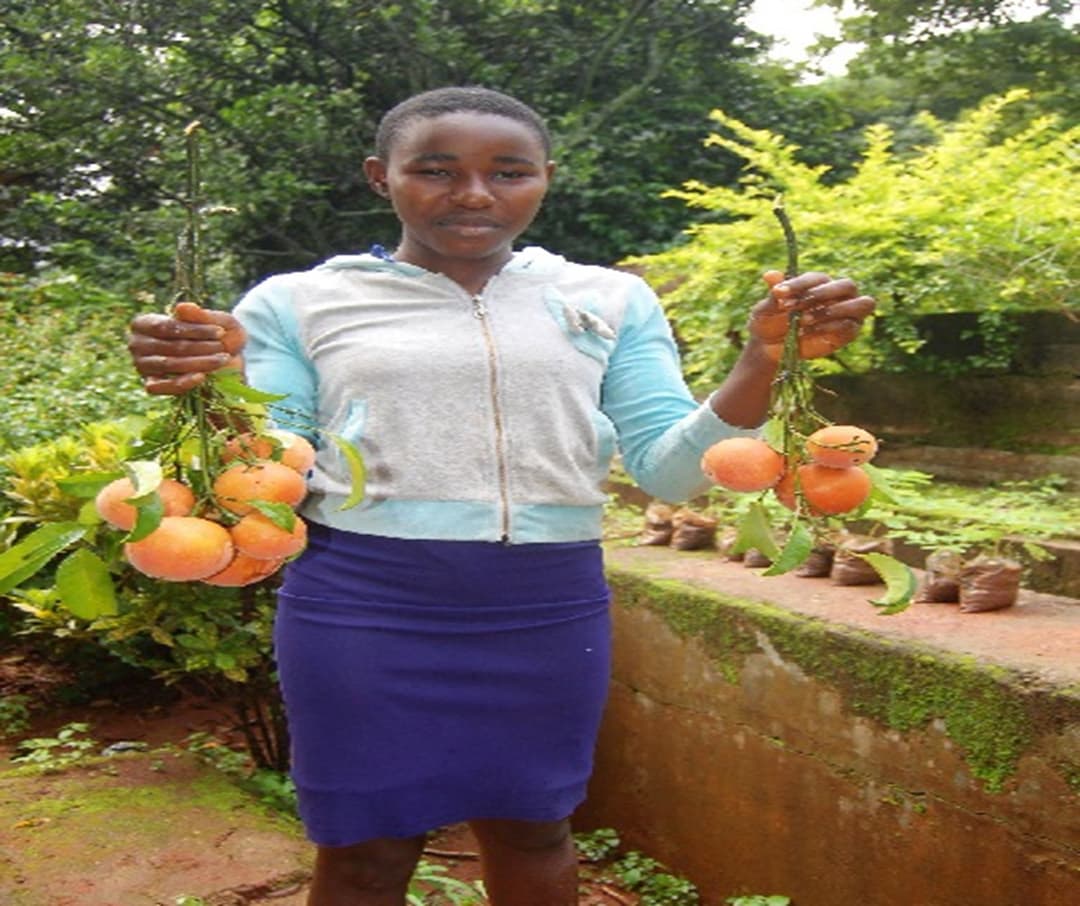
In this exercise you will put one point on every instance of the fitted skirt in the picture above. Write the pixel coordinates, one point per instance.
(432, 682)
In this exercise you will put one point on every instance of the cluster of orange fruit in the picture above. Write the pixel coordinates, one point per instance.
(827, 474)
(227, 540)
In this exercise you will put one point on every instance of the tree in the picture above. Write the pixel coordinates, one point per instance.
(96, 93)
(976, 221)
(911, 21)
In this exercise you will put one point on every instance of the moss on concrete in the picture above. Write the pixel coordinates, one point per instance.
(989, 712)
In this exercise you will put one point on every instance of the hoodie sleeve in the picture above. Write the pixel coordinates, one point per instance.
(663, 431)
(274, 360)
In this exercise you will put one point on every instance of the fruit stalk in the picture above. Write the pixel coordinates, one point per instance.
(792, 403)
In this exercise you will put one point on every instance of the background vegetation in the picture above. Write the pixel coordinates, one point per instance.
(940, 172)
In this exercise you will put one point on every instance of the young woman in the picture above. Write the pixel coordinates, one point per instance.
(443, 647)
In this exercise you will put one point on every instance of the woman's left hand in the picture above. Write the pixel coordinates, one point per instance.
(831, 313)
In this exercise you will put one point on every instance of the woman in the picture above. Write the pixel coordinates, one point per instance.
(443, 647)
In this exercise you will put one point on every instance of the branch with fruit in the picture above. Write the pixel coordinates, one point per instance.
(817, 470)
(213, 492)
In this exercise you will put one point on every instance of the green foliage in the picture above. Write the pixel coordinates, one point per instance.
(274, 789)
(653, 885)
(597, 845)
(432, 885)
(71, 744)
(1003, 518)
(219, 638)
(62, 356)
(291, 93)
(14, 714)
(759, 900)
(970, 223)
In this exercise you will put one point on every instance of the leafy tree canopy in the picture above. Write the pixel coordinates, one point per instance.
(96, 93)
(972, 222)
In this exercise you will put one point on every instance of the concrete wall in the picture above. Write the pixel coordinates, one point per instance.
(778, 736)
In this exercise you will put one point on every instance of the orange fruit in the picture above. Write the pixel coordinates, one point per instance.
(182, 549)
(244, 570)
(833, 491)
(112, 506)
(262, 538)
(841, 446)
(742, 464)
(296, 451)
(266, 480)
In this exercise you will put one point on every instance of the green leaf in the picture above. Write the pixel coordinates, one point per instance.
(23, 560)
(773, 433)
(752, 531)
(281, 514)
(797, 548)
(899, 579)
(85, 586)
(231, 384)
(357, 470)
(149, 511)
(879, 484)
(86, 484)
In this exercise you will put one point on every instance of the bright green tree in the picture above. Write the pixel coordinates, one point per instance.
(973, 222)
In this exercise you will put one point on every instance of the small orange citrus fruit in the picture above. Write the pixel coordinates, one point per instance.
(296, 451)
(182, 549)
(260, 537)
(112, 506)
(244, 570)
(264, 480)
(841, 446)
(833, 491)
(742, 464)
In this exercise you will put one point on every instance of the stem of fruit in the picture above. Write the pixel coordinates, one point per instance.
(793, 387)
(190, 286)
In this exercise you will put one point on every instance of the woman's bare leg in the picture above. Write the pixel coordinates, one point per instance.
(528, 863)
(373, 873)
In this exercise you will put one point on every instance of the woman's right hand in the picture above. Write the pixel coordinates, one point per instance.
(174, 353)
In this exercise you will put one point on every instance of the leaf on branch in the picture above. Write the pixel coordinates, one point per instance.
(86, 484)
(357, 470)
(752, 531)
(149, 511)
(231, 385)
(145, 476)
(21, 561)
(798, 547)
(85, 586)
(899, 579)
(281, 514)
(879, 484)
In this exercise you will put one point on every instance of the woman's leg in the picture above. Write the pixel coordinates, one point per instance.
(373, 873)
(528, 863)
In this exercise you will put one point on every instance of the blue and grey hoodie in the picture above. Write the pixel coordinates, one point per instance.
(492, 417)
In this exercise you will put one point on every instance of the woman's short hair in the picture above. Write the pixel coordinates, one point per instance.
(456, 99)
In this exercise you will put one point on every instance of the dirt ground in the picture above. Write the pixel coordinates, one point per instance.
(152, 826)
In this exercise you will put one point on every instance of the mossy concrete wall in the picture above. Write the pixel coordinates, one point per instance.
(776, 735)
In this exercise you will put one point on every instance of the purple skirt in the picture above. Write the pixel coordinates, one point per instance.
(432, 682)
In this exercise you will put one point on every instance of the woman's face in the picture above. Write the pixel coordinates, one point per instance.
(464, 186)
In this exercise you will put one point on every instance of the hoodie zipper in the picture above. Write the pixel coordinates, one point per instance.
(480, 313)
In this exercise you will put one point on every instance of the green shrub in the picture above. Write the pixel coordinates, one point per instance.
(972, 222)
(216, 639)
(63, 359)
